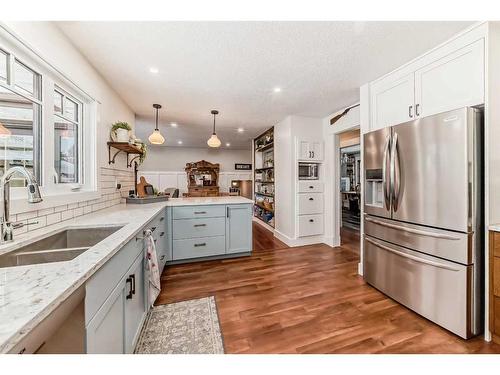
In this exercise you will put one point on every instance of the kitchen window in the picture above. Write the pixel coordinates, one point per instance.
(44, 119)
(20, 118)
(67, 130)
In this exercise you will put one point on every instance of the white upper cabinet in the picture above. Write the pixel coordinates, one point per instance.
(454, 81)
(392, 101)
(448, 77)
(310, 150)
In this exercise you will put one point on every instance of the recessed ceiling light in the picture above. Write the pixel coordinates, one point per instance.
(241, 130)
(277, 89)
(179, 142)
(173, 124)
(228, 144)
(154, 70)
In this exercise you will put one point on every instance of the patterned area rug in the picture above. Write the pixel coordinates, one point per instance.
(188, 327)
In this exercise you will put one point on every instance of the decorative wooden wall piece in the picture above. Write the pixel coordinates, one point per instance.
(202, 167)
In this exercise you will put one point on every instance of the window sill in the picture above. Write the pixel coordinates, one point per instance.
(53, 199)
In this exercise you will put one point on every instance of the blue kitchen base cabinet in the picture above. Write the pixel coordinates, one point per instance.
(215, 231)
(238, 228)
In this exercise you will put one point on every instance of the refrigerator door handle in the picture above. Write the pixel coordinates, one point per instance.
(412, 257)
(412, 231)
(395, 173)
(386, 181)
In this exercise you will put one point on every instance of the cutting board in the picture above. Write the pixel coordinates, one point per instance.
(141, 187)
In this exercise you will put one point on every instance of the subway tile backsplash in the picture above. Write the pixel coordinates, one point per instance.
(110, 196)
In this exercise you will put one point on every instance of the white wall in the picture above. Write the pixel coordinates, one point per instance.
(174, 159)
(286, 167)
(47, 41)
(332, 174)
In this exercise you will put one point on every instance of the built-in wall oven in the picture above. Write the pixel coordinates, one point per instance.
(308, 171)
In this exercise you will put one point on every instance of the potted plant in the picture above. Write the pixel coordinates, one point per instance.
(144, 150)
(121, 131)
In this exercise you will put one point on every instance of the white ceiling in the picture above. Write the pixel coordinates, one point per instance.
(234, 67)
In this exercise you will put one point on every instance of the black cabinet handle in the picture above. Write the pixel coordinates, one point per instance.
(311, 220)
(153, 229)
(200, 212)
(311, 199)
(162, 257)
(200, 244)
(129, 295)
(417, 113)
(313, 154)
(162, 218)
(200, 225)
(162, 234)
(311, 187)
(133, 283)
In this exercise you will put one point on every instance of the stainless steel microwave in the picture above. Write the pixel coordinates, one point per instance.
(308, 171)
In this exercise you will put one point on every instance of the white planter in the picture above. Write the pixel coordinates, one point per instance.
(122, 135)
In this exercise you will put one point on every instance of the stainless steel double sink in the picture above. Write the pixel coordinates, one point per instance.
(59, 247)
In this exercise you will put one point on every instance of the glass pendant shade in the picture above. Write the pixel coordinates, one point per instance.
(156, 138)
(214, 141)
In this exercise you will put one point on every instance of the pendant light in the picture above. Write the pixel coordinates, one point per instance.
(214, 141)
(156, 138)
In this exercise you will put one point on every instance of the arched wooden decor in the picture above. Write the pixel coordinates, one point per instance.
(202, 179)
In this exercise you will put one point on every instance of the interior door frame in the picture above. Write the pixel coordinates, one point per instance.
(337, 207)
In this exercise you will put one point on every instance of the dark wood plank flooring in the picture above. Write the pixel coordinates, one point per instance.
(307, 300)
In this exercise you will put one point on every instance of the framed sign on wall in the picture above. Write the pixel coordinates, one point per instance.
(243, 167)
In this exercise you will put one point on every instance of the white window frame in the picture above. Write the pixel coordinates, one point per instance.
(51, 79)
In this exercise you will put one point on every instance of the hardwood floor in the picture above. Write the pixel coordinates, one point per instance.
(307, 300)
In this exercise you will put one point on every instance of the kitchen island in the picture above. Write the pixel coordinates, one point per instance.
(187, 229)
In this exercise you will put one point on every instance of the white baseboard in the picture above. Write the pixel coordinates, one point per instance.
(360, 269)
(264, 225)
(294, 242)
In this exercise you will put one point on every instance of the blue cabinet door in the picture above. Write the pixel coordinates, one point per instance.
(238, 228)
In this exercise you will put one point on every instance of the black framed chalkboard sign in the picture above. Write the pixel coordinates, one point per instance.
(243, 167)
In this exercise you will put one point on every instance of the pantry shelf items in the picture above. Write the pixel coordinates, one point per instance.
(264, 177)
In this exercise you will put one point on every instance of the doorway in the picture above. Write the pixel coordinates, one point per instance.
(350, 184)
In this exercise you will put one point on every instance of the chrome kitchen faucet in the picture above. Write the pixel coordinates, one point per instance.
(34, 196)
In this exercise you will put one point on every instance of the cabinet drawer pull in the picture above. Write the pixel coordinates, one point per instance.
(311, 220)
(200, 212)
(410, 111)
(311, 199)
(311, 187)
(162, 257)
(162, 218)
(133, 283)
(162, 234)
(313, 154)
(200, 244)
(153, 229)
(129, 295)
(200, 225)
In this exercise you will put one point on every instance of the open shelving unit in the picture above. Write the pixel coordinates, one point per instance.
(264, 203)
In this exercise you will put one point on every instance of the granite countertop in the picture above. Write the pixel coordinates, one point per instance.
(494, 227)
(28, 294)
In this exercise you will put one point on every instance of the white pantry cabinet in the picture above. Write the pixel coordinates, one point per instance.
(310, 150)
(447, 78)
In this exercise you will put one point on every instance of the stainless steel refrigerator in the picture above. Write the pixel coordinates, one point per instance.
(423, 221)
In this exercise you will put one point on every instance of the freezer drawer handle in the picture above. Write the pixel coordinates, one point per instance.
(311, 199)
(416, 259)
(413, 231)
